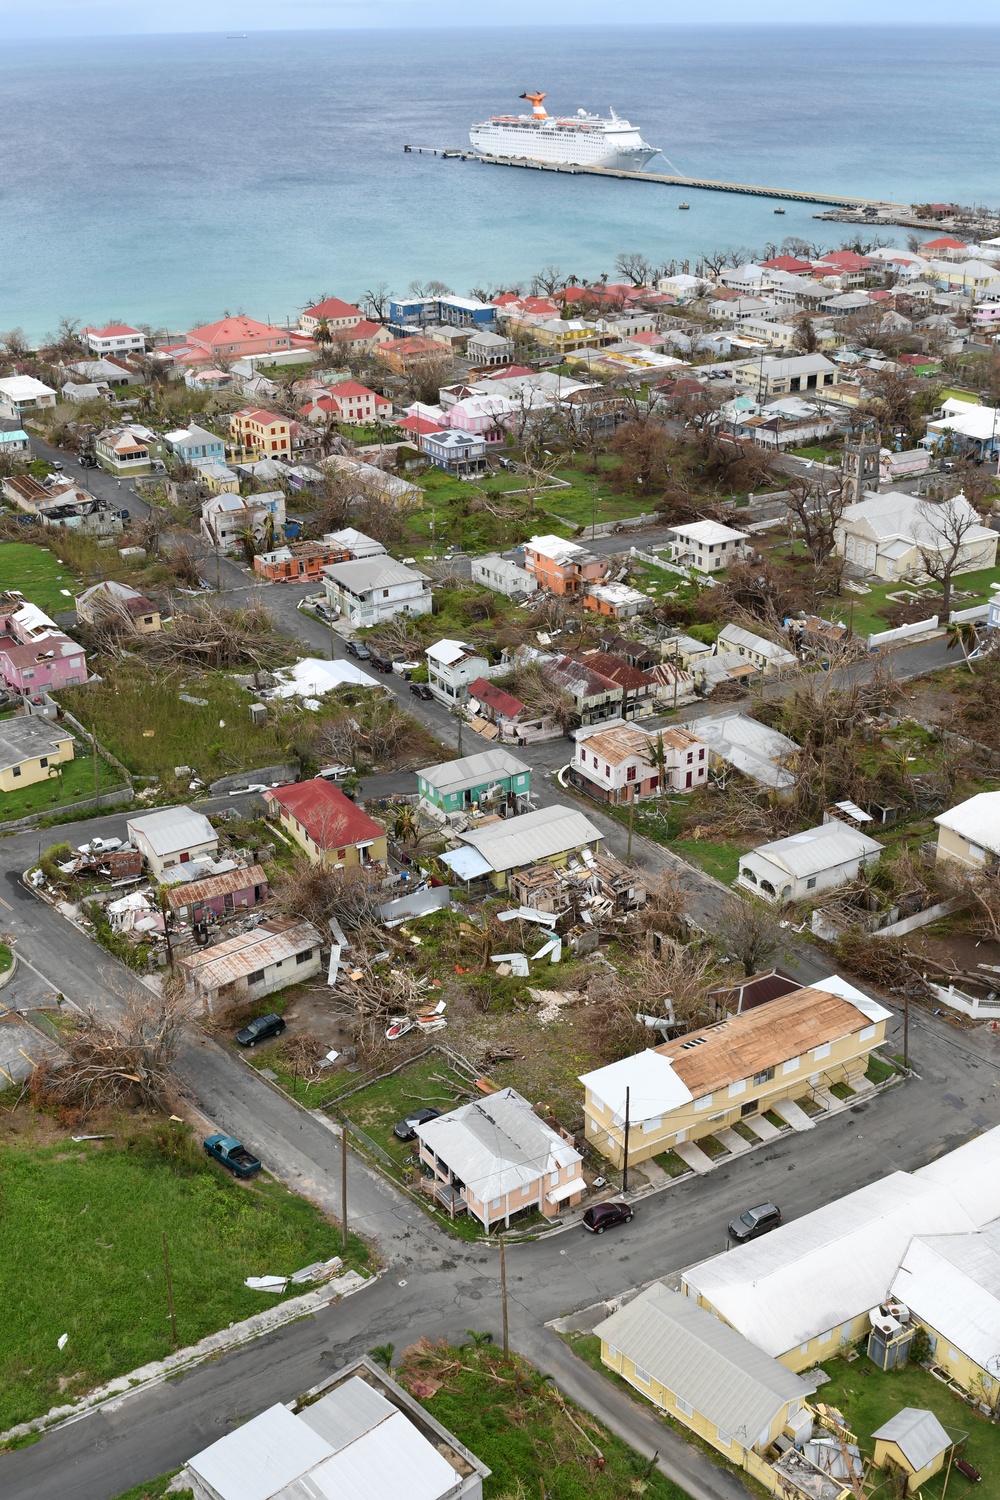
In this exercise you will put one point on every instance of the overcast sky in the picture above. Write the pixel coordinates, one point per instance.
(55, 18)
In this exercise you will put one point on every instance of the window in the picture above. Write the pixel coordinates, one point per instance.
(737, 1088)
(607, 770)
(791, 1065)
(17, 771)
(43, 761)
(256, 977)
(643, 1376)
(867, 1033)
(724, 1437)
(648, 1126)
(303, 958)
(701, 755)
(684, 1406)
(630, 773)
(613, 1352)
(764, 1077)
(823, 1051)
(705, 1102)
(495, 1205)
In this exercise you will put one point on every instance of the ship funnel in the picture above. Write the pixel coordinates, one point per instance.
(537, 107)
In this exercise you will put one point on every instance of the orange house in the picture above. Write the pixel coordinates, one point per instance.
(562, 567)
(303, 560)
(233, 338)
(404, 355)
(261, 432)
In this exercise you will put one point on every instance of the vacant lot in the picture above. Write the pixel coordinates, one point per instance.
(521, 1426)
(74, 783)
(80, 1241)
(376, 1109)
(39, 575)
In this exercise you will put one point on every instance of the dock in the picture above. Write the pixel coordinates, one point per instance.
(706, 184)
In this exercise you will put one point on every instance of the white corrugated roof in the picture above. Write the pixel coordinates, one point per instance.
(952, 1283)
(394, 1458)
(173, 829)
(472, 770)
(977, 819)
(449, 652)
(532, 836)
(703, 1361)
(753, 748)
(709, 533)
(972, 1173)
(815, 1273)
(653, 1087)
(497, 1144)
(735, 635)
(260, 1458)
(818, 849)
(555, 548)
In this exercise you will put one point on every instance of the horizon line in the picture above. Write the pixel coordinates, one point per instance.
(798, 24)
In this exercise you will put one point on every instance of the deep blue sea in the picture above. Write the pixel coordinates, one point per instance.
(169, 179)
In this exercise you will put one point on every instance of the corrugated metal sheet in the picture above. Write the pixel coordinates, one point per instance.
(497, 1144)
(260, 1458)
(533, 836)
(818, 849)
(972, 1173)
(472, 770)
(918, 1433)
(705, 1362)
(952, 1283)
(173, 829)
(229, 883)
(393, 1459)
(249, 951)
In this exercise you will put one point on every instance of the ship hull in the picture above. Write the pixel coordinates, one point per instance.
(620, 150)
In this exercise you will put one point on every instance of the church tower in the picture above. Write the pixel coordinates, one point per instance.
(859, 468)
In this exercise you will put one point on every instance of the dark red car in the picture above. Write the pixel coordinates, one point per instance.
(604, 1216)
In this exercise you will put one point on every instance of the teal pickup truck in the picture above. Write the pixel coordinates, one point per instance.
(232, 1154)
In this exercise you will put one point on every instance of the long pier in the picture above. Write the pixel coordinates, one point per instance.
(752, 190)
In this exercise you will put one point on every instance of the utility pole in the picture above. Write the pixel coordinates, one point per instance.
(631, 815)
(170, 1287)
(97, 769)
(503, 1296)
(906, 1027)
(625, 1160)
(343, 1184)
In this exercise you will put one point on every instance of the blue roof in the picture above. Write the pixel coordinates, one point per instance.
(17, 436)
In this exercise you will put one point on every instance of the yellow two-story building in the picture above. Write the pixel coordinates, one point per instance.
(32, 749)
(792, 1048)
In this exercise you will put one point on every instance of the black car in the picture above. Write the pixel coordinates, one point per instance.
(358, 649)
(421, 690)
(406, 1130)
(260, 1029)
(754, 1222)
(604, 1216)
(382, 663)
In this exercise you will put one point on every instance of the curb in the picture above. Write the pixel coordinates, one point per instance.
(212, 1344)
(8, 974)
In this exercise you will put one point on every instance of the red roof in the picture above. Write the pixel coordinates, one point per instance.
(495, 698)
(946, 243)
(330, 819)
(353, 388)
(234, 331)
(111, 330)
(647, 336)
(419, 426)
(332, 307)
(258, 414)
(505, 373)
(844, 260)
(786, 263)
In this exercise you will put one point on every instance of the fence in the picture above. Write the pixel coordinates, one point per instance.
(659, 562)
(969, 1005)
(903, 633)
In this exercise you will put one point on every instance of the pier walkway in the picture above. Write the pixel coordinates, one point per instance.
(835, 200)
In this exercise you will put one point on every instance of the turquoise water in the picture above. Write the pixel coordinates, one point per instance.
(168, 179)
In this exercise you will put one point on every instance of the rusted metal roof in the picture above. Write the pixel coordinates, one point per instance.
(226, 884)
(281, 938)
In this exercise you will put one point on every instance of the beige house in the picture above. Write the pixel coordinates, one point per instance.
(912, 1443)
(31, 750)
(110, 601)
(794, 1047)
(327, 826)
(970, 832)
(890, 535)
(496, 1158)
(252, 964)
(703, 1373)
(172, 836)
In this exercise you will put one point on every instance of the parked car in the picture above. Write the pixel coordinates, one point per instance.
(382, 663)
(754, 1222)
(260, 1029)
(56, 463)
(602, 1216)
(125, 515)
(232, 1154)
(358, 649)
(421, 690)
(406, 1129)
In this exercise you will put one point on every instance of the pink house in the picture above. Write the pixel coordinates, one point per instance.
(483, 416)
(495, 1158)
(35, 655)
(230, 339)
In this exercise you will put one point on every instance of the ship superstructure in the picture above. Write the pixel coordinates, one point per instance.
(582, 139)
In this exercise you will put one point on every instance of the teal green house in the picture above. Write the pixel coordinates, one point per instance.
(493, 777)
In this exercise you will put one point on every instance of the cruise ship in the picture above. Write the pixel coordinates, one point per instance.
(581, 140)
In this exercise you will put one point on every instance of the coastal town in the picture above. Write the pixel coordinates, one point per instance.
(483, 772)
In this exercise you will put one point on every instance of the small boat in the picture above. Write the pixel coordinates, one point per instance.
(237, 36)
(779, 210)
(398, 1026)
(683, 205)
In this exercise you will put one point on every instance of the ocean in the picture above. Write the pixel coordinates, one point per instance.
(170, 179)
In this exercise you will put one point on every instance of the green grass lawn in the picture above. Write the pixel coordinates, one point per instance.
(154, 1489)
(821, 455)
(520, 1426)
(377, 1108)
(591, 499)
(80, 1240)
(141, 719)
(868, 1397)
(866, 621)
(39, 575)
(45, 798)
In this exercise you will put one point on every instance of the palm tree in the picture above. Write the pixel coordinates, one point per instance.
(404, 826)
(962, 633)
(382, 1355)
(478, 1340)
(657, 757)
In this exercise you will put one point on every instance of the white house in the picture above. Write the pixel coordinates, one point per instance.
(116, 338)
(488, 348)
(172, 836)
(617, 763)
(707, 545)
(783, 377)
(970, 832)
(23, 393)
(250, 965)
(799, 867)
(763, 754)
(502, 576)
(376, 588)
(451, 666)
(227, 518)
(889, 535)
(765, 654)
(355, 543)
